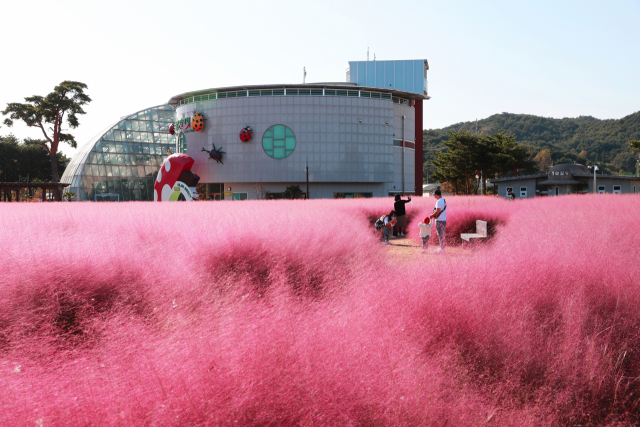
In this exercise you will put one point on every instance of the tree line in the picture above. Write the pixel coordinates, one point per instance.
(494, 155)
(584, 139)
(22, 159)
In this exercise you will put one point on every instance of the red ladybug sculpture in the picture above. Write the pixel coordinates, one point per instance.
(172, 130)
(246, 133)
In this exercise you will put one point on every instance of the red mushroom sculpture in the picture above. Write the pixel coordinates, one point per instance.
(175, 179)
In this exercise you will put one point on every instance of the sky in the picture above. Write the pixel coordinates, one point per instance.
(546, 58)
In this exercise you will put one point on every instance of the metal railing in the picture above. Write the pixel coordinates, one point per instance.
(294, 92)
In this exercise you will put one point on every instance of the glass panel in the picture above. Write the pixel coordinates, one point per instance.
(278, 142)
(288, 132)
(278, 153)
(290, 143)
(268, 133)
(140, 171)
(267, 143)
(278, 131)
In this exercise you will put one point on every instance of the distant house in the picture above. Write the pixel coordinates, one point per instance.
(428, 189)
(565, 179)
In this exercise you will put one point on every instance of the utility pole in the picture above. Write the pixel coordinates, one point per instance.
(307, 168)
(403, 155)
(595, 168)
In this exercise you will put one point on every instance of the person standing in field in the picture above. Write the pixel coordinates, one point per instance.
(401, 215)
(440, 216)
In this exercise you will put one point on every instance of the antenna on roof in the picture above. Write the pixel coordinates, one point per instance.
(367, 53)
(374, 57)
(304, 76)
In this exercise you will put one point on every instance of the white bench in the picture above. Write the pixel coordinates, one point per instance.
(481, 232)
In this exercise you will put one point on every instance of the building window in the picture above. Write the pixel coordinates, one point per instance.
(352, 195)
(239, 196)
(278, 142)
(601, 189)
(182, 143)
(568, 189)
(523, 191)
(616, 189)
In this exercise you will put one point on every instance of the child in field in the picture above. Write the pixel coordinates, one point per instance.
(425, 232)
(388, 222)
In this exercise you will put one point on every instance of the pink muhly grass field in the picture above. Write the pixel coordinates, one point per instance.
(292, 313)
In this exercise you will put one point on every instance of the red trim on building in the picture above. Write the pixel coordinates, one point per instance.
(418, 147)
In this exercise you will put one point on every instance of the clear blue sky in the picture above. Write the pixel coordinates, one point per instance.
(548, 58)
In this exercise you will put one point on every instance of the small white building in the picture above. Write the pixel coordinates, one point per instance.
(565, 179)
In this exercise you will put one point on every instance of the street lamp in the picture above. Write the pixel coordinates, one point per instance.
(595, 168)
(479, 175)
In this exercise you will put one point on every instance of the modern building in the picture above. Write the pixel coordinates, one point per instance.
(360, 138)
(565, 179)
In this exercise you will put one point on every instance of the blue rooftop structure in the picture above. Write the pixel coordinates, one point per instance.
(407, 76)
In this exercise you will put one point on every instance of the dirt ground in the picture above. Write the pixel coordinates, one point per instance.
(404, 248)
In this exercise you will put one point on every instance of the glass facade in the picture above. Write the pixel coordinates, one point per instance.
(278, 141)
(124, 159)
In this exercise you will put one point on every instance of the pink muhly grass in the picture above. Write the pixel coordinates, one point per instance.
(290, 313)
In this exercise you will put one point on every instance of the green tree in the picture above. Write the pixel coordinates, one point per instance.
(27, 158)
(292, 192)
(634, 145)
(48, 114)
(459, 162)
(492, 154)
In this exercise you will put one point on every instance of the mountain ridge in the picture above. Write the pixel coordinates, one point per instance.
(583, 139)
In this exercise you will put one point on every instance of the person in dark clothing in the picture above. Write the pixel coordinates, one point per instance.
(401, 215)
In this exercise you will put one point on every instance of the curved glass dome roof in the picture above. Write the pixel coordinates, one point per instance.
(124, 159)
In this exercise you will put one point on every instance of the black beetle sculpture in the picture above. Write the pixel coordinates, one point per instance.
(215, 154)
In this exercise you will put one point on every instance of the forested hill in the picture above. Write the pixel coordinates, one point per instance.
(583, 139)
